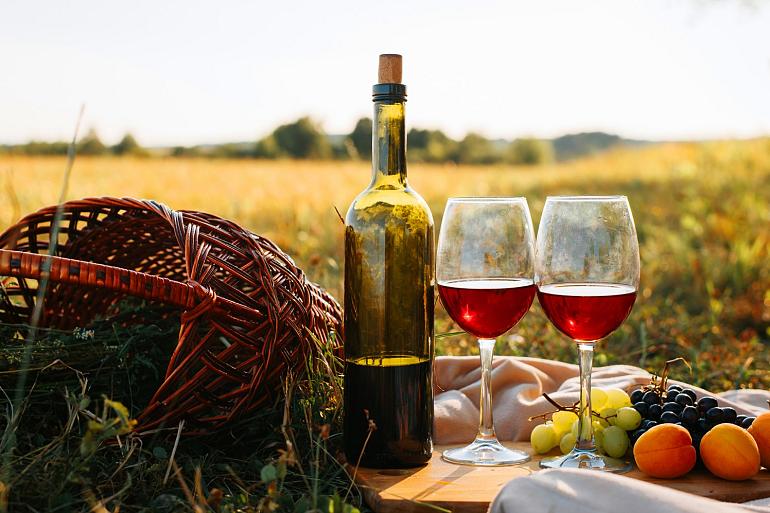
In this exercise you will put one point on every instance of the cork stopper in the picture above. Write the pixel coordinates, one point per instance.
(390, 69)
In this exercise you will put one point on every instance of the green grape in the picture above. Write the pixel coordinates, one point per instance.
(599, 439)
(607, 416)
(543, 438)
(562, 422)
(567, 443)
(598, 399)
(615, 441)
(628, 419)
(598, 433)
(617, 398)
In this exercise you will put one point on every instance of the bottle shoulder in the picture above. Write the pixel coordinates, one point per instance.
(402, 202)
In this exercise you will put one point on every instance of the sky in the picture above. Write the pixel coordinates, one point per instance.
(185, 72)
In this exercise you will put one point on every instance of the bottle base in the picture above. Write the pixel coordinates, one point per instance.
(387, 462)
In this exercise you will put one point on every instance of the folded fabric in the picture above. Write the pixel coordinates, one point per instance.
(517, 387)
(580, 491)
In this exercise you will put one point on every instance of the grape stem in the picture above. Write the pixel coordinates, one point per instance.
(659, 384)
(575, 408)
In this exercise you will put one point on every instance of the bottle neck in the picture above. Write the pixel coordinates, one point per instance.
(389, 145)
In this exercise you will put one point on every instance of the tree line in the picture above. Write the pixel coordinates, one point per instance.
(90, 144)
(304, 139)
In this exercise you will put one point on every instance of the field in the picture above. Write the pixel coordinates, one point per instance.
(703, 217)
(702, 213)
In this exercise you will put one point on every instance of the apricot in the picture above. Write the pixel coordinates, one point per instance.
(760, 430)
(730, 452)
(665, 451)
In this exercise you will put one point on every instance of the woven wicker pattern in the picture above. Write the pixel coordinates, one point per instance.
(249, 313)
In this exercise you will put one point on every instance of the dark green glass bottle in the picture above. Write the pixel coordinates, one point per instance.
(389, 282)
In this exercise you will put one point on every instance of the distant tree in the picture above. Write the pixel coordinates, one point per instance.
(475, 149)
(343, 149)
(41, 148)
(186, 151)
(91, 144)
(128, 146)
(361, 138)
(529, 151)
(302, 139)
(430, 146)
(267, 148)
(576, 145)
(232, 151)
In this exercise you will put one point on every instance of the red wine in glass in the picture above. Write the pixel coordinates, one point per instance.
(487, 308)
(586, 311)
(485, 274)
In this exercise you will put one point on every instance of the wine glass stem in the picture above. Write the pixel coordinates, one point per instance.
(585, 439)
(486, 425)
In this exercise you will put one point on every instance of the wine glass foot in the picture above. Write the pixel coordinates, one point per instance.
(590, 460)
(485, 453)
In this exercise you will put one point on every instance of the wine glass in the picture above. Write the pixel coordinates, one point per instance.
(485, 268)
(587, 275)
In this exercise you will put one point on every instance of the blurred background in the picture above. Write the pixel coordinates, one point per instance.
(259, 112)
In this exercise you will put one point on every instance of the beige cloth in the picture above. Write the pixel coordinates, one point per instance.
(517, 385)
(581, 491)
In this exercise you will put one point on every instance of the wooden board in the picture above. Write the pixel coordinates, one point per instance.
(464, 489)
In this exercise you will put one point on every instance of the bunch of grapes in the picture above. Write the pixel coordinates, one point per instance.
(678, 405)
(613, 417)
(619, 419)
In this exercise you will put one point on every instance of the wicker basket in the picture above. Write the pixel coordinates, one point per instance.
(248, 313)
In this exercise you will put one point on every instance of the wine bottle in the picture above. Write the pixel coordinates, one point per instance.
(389, 299)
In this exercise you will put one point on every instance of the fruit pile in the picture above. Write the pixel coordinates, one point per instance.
(678, 429)
(681, 406)
(668, 429)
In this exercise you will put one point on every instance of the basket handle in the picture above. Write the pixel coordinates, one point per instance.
(24, 264)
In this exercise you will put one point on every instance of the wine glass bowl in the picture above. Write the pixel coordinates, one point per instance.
(587, 276)
(484, 269)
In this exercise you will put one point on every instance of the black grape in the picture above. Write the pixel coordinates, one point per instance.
(636, 434)
(636, 395)
(706, 403)
(729, 414)
(715, 415)
(747, 422)
(696, 438)
(691, 393)
(690, 415)
(654, 411)
(684, 399)
(651, 397)
(673, 407)
(669, 417)
(642, 408)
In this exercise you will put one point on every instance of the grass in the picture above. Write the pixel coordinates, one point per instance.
(281, 458)
(703, 217)
(702, 212)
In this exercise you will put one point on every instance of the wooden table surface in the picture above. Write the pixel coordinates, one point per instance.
(465, 489)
